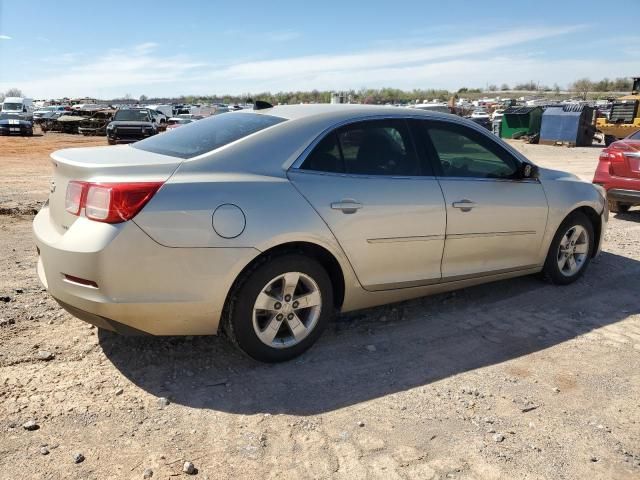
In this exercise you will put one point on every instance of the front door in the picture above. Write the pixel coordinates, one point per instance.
(383, 206)
(495, 220)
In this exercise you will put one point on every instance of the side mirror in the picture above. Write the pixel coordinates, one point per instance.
(527, 170)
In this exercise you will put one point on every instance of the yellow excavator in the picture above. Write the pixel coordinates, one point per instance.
(624, 118)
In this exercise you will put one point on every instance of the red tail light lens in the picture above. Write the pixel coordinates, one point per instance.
(110, 202)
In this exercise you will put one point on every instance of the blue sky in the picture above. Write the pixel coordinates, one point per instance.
(159, 47)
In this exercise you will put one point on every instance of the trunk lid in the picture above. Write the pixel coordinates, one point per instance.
(629, 153)
(102, 164)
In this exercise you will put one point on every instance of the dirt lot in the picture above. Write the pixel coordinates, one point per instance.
(516, 379)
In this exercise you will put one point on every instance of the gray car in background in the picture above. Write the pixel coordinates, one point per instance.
(265, 223)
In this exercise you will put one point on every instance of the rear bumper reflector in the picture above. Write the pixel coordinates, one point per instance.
(79, 281)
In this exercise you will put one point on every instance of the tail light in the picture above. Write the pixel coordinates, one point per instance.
(109, 202)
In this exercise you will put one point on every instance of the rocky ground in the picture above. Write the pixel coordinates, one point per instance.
(516, 379)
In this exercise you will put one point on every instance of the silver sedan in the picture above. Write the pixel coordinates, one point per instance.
(264, 223)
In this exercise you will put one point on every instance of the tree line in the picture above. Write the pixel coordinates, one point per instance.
(582, 87)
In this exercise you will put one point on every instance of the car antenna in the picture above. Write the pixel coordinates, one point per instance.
(261, 105)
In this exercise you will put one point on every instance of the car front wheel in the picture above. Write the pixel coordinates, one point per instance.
(280, 308)
(570, 250)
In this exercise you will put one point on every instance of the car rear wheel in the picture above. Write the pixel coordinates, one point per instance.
(570, 250)
(281, 308)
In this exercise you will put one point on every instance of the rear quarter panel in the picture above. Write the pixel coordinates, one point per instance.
(180, 215)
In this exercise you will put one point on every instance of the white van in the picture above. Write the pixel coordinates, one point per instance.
(17, 105)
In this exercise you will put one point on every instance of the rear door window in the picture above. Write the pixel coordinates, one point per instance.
(326, 157)
(208, 134)
(375, 147)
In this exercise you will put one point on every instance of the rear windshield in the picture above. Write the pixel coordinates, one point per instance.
(208, 134)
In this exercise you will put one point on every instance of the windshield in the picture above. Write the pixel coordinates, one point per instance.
(11, 106)
(207, 135)
(132, 116)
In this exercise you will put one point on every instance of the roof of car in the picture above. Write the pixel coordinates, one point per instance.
(339, 111)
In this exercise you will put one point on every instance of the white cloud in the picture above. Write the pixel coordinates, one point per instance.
(471, 62)
(117, 72)
(5, 37)
(62, 59)
(356, 62)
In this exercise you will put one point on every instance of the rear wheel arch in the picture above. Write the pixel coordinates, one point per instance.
(312, 250)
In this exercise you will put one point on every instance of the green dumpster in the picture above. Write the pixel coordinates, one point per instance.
(519, 121)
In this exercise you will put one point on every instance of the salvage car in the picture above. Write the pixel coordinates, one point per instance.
(14, 124)
(49, 112)
(264, 223)
(131, 124)
(618, 172)
(175, 122)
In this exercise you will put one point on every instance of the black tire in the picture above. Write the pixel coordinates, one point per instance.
(238, 321)
(551, 270)
(111, 142)
(609, 139)
(616, 207)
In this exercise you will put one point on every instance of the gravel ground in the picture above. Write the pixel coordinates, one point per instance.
(516, 379)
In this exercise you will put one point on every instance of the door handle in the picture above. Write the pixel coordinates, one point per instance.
(464, 205)
(347, 206)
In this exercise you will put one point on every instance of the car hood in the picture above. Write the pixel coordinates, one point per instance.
(124, 123)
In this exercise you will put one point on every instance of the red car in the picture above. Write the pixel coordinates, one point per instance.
(619, 173)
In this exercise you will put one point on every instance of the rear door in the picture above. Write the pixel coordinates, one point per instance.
(384, 207)
(495, 220)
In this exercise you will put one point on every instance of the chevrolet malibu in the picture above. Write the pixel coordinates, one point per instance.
(262, 224)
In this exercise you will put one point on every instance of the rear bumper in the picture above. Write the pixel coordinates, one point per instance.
(624, 196)
(142, 287)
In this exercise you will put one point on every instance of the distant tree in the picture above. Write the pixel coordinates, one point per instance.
(14, 92)
(463, 90)
(143, 98)
(127, 96)
(583, 86)
(621, 85)
(504, 87)
(556, 88)
(526, 87)
(493, 88)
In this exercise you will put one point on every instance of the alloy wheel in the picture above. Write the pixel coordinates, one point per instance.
(287, 309)
(573, 250)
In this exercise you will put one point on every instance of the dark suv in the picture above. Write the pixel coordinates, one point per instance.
(131, 125)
